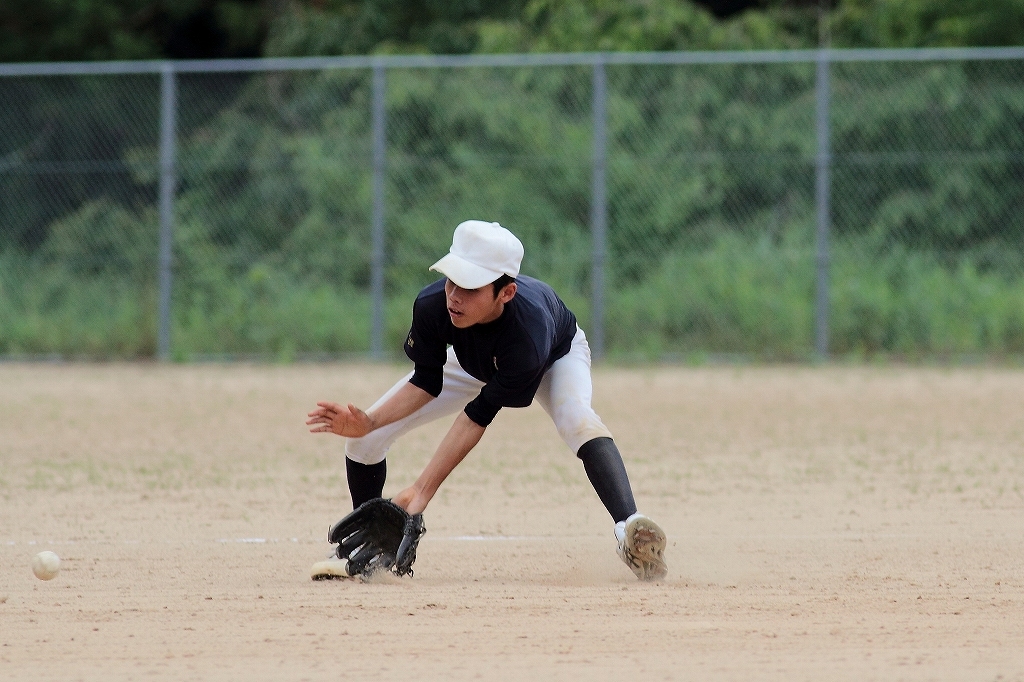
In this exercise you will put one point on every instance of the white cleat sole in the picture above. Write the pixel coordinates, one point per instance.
(330, 569)
(643, 549)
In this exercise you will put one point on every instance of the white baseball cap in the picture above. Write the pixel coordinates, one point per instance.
(481, 253)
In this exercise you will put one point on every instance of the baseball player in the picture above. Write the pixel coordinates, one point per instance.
(484, 337)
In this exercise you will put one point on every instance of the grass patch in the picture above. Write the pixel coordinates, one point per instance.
(737, 297)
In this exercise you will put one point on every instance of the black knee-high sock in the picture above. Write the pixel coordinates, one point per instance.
(365, 481)
(607, 473)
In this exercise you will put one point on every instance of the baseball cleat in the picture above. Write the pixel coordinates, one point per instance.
(332, 568)
(642, 547)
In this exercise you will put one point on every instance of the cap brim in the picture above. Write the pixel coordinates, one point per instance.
(463, 273)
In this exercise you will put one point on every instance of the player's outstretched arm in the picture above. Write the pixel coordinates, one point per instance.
(351, 422)
(461, 438)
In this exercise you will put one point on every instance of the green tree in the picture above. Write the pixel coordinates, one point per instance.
(928, 23)
(90, 30)
(337, 27)
(657, 25)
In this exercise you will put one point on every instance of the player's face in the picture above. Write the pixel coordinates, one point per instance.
(467, 307)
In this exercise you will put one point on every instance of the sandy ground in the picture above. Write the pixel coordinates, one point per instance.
(824, 523)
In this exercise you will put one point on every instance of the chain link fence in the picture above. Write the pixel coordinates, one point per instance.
(780, 205)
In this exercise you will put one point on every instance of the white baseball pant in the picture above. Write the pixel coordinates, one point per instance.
(565, 393)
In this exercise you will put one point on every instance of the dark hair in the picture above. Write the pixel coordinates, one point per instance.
(501, 283)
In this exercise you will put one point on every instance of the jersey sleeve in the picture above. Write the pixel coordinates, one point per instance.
(430, 379)
(481, 411)
(426, 348)
(513, 385)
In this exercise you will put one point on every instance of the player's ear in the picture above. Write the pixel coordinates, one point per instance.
(507, 293)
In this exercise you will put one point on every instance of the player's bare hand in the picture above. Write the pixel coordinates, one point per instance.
(344, 420)
(411, 498)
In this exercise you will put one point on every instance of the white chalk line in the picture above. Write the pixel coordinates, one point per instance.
(251, 541)
(465, 538)
(484, 538)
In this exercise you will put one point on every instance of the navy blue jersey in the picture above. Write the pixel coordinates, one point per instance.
(509, 354)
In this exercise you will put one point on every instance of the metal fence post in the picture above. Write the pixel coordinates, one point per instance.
(599, 207)
(379, 122)
(822, 190)
(168, 182)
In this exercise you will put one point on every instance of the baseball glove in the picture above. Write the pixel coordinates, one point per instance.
(378, 535)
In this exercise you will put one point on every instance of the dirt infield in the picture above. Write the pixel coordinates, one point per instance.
(832, 523)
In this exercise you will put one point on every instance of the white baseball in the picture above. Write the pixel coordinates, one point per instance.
(46, 565)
